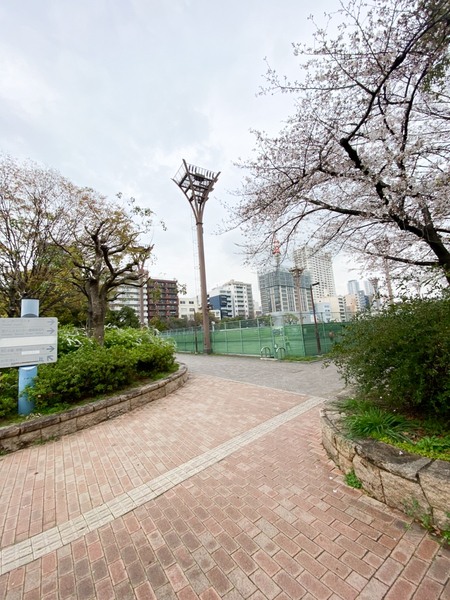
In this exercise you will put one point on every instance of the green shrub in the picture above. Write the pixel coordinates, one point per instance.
(8, 392)
(93, 370)
(71, 339)
(401, 354)
(128, 338)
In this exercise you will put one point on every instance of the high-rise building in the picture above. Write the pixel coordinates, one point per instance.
(368, 288)
(277, 289)
(353, 286)
(320, 267)
(188, 307)
(162, 298)
(233, 297)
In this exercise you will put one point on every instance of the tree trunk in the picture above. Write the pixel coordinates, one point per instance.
(96, 312)
(98, 321)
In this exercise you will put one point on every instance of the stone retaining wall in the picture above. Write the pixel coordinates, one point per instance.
(411, 483)
(15, 437)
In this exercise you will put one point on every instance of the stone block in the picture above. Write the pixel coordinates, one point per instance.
(404, 494)
(435, 482)
(31, 437)
(171, 386)
(9, 431)
(139, 401)
(10, 444)
(328, 432)
(391, 459)
(67, 427)
(92, 418)
(111, 401)
(77, 411)
(118, 409)
(369, 476)
(441, 518)
(345, 465)
(334, 417)
(345, 447)
(156, 394)
(329, 448)
(51, 432)
(38, 423)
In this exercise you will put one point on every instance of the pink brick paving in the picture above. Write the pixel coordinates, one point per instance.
(272, 520)
(47, 485)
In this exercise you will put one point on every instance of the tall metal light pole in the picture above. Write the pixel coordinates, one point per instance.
(316, 329)
(297, 272)
(196, 184)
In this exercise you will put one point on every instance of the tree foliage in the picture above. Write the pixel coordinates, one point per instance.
(400, 354)
(59, 241)
(105, 252)
(124, 317)
(363, 163)
(33, 200)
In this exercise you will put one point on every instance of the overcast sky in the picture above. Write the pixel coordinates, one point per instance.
(115, 93)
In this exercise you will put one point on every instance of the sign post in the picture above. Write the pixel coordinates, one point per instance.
(26, 343)
(28, 308)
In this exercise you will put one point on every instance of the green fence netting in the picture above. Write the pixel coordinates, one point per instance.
(256, 338)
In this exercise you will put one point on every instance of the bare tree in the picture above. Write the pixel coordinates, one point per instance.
(364, 162)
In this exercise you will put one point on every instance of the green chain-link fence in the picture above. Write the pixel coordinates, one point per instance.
(258, 337)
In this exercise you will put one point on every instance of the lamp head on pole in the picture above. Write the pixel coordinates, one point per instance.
(196, 183)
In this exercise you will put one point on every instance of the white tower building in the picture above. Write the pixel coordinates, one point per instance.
(239, 298)
(320, 267)
(353, 286)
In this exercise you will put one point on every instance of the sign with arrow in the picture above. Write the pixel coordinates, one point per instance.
(25, 342)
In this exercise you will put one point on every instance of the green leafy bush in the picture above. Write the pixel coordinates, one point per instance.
(8, 392)
(128, 338)
(71, 339)
(401, 354)
(93, 370)
(85, 370)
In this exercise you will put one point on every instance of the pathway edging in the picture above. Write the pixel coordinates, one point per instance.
(15, 437)
(414, 484)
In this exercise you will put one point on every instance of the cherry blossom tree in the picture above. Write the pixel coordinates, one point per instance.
(363, 164)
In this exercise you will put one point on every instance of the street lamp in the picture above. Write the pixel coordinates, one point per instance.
(316, 329)
(196, 184)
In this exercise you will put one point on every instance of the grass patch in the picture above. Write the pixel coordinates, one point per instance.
(352, 481)
(365, 418)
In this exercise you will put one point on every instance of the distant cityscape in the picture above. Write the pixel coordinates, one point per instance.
(299, 291)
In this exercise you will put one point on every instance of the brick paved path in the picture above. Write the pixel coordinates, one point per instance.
(221, 490)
